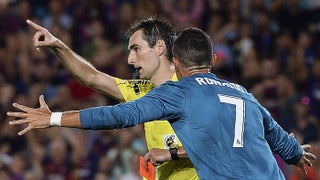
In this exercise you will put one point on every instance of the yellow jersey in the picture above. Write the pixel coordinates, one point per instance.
(159, 134)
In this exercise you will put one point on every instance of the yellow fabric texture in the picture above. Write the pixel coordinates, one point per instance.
(159, 134)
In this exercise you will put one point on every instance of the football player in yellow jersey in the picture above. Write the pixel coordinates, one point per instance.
(150, 44)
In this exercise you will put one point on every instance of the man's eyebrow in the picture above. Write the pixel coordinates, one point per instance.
(132, 46)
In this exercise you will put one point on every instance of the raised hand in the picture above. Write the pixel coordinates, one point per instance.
(42, 37)
(35, 118)
(306, 158)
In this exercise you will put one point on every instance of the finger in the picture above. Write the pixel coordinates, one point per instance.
(304, 170)
(306, 146)
(37, 39)
(310, 156)
(17, 114)
(308, 162)
(20, 121)
(25, 130)
(158, 163)
(152, 162)
(22, 107)
(34, 25)
(146, 159)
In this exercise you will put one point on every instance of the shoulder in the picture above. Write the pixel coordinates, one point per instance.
(170, 85)
(168, 89)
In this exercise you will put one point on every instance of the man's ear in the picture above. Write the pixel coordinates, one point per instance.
(161, 47)
(214, 59)
(176, 64)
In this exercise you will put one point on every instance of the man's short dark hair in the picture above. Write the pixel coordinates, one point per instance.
(155, 28)
(193, 47)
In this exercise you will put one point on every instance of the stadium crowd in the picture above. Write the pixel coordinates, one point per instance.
(269, 46)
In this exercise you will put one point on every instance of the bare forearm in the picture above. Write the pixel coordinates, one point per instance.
(78, 66)
(71, 119)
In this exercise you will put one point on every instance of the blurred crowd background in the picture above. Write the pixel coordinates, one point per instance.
(269, 46)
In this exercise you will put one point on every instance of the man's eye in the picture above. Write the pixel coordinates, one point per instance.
(136, 49)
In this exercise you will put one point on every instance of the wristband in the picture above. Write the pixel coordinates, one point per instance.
(55, 119)
(174, 153)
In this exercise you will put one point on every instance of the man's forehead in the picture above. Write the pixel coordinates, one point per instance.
(137, 39)
(136, 36)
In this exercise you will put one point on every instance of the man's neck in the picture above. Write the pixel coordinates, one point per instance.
(199, 70)
(162, 76)
(184, 72)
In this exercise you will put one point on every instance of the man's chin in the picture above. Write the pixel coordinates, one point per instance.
(144, 77)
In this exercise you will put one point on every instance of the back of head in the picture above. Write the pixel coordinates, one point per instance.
(155, 28)
(193, 48)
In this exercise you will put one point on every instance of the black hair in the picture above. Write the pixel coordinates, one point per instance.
(193, 48)
(155, 28)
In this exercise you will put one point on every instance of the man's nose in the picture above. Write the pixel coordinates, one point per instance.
(131, 59)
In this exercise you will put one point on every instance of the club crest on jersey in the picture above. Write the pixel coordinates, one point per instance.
(170, 140)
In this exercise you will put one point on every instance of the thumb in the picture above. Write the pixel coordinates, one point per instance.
(42, 102)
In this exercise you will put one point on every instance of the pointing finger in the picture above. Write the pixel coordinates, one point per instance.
(34, 25)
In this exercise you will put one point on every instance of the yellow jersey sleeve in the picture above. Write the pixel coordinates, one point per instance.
(134, 88)
(159, 134)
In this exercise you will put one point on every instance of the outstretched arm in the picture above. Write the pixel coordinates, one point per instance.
(81, 69)
(154, 105)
